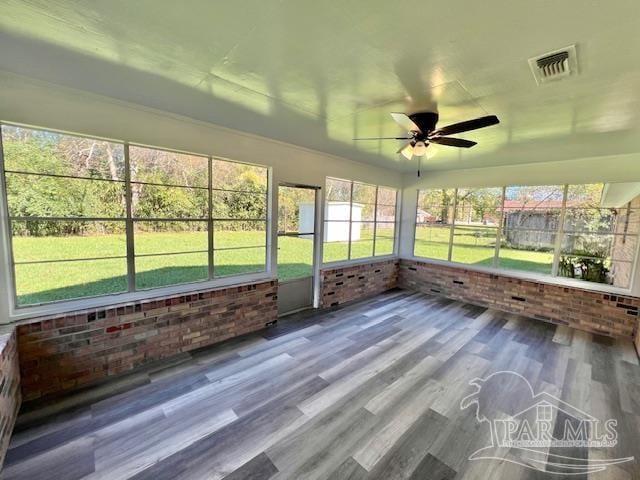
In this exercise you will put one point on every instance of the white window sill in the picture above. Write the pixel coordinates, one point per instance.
(359, 261)
(530, 276)
(117, 300)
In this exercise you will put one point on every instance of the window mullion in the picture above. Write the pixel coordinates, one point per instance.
(453, 223)
(559, 233)
(210, 217)
(129, 227)
(499, 230)
(375, 221)
(350, 220)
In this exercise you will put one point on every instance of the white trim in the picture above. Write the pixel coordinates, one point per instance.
(529, 276)
(121, 299)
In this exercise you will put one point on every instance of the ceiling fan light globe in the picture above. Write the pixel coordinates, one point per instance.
(420, 149)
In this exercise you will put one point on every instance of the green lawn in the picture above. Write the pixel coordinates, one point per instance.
(476, 246)
(46, 282)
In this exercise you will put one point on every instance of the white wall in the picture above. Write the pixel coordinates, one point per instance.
(37, 103)
(611, 169)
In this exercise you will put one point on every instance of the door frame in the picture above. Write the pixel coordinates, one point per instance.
(317, 237)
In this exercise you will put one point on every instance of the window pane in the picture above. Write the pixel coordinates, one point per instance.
(336, 241)
(239, 176)
(584, 213)
(590, 220)
(527, 250)
(588, 245)
(153, 201)
(435, 206)
(531, 220)
(170, 237)
(361, 249)
(39, 151)
(169, 168)
(66, 240)
(335, 210)
(385, 235)
(50, 282)
(586, 257)
(338, 190)
(296, 210)
(362, 212)
(236, 262)
(387, 196)
(432, 241)
(479, 206)
(235, 234)
(237, 205)
(35, 196)
(533, 208)
(584, 196)
(474, 245)
(363, 193)
(361, 239)
(162, 270)
(295, 257)
(386, 213)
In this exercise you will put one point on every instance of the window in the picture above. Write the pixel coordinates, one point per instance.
(476, 221)
(90, 217)
(597, 244)
(239, 218)
(170, 209)
(434, 218)
(530, 227)
(560, 230)
(360, 221)
(66, 203)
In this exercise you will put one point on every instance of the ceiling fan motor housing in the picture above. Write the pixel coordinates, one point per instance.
(426, 121)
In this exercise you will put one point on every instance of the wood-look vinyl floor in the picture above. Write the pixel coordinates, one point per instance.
(369, 391)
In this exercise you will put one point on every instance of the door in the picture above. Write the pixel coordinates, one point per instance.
(297, 247)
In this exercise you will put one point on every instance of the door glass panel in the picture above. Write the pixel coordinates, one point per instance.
(296, 227)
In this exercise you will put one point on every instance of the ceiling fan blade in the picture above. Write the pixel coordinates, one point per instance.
(405, 122)
(468, 125)
(407, 151)
(453, 142)
(383, 138)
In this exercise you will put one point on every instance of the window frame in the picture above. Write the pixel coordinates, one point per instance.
(17, 311)
(560, 232)
(396, 225)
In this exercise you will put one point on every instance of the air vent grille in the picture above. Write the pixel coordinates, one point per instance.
(554, 65)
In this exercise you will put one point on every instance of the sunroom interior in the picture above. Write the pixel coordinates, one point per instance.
(218, 261)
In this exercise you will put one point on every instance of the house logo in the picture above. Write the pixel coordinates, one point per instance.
(539, 431)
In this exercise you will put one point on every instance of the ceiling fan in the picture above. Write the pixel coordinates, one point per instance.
(421, 128)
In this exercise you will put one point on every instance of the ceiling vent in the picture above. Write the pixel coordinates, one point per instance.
(554, 65)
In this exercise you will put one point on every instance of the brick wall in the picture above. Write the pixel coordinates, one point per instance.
(345, 284)
(624, 245)
(65, 352)
(9, 389)
(602, 313)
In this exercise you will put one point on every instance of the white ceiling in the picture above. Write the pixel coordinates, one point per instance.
(317, 73)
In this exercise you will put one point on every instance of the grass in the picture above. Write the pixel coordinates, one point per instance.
(476, 246)
(46, 282)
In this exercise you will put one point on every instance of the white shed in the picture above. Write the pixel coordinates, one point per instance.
(334, 231)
